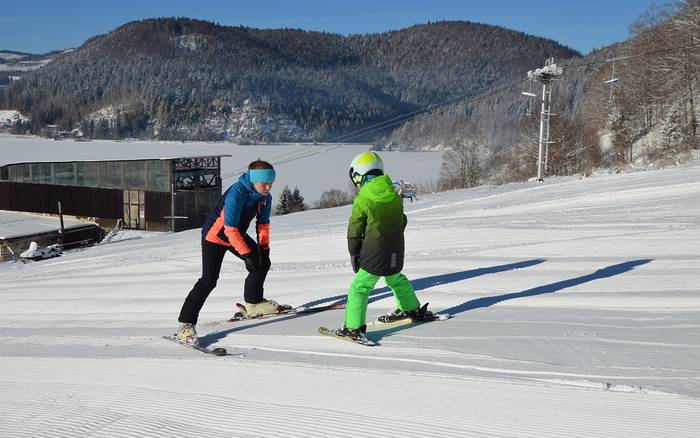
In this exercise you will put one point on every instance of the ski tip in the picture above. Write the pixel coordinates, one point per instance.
(237, 316)
(443, 316)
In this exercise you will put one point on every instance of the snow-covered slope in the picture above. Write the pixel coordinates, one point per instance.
(6, 55)
(10, 117)
(24, 62)
(575, 303)
(13, 223)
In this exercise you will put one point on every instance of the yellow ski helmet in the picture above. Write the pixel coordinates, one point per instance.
(363, 165)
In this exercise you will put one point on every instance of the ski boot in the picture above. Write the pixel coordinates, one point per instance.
(265, 307)
(356, 335)
(187, 334)
(421, 314)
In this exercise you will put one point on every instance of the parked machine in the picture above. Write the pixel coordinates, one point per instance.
(36, 253)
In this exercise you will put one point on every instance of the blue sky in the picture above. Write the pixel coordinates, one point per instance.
(39, 26)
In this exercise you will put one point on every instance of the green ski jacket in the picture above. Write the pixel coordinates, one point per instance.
(375, 229)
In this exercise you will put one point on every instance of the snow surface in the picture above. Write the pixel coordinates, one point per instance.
(575, 303)
(313, 168)
(11, 56)
(11, 116)
(14, 223)
(25, 65)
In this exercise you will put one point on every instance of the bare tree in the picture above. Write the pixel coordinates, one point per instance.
(687, 24)
(334, 198)
(665, 73)
(461, 162)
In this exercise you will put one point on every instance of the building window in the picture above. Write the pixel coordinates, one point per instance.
(41, 173)
(64, 174)
(87, 174)
(111, 174)
(20, 173)
(159, 176)
(135, 175)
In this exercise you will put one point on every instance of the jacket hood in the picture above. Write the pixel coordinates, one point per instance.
(379, 189)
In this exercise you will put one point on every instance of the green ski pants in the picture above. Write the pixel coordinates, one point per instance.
(362, 285)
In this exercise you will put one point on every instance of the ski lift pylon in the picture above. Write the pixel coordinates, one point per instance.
(530, 94)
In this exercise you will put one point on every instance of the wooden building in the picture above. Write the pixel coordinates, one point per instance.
(147, 194)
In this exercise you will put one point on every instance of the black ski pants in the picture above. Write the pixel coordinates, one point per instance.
(212, 257)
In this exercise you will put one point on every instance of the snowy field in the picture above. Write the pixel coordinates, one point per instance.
(313, 168)
(14, 223)
(575, 313)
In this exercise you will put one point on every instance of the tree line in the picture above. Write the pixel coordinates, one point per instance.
(185, 79)
(647, 114)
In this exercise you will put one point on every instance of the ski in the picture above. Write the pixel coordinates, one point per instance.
(242, 315)
(425, 316)
(436, 317)
(212, 351)
(335, 334)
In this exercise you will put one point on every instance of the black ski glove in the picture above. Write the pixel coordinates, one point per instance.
(355, 262)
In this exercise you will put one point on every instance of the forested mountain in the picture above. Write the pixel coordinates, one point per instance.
(13, 65)
(180, 78)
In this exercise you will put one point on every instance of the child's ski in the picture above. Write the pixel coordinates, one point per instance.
(435, 317)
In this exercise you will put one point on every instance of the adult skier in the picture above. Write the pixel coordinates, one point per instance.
(226, 231)
(376, 246)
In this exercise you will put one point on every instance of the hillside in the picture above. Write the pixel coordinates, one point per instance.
(190, 79)
(14, 65)
(574, 302)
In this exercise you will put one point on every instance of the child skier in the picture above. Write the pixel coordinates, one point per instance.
(225, 230)
(376, 245)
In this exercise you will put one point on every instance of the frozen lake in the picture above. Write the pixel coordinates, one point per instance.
(312, 168)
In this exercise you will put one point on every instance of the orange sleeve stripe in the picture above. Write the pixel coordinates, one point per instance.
(234, 236)
(213, 238)
(212, 235)
(264, 234)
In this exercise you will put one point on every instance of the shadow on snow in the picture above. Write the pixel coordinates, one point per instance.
(379, 294)
(477, 303)
(436, 280)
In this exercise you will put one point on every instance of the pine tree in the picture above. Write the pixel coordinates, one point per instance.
(283, 204)
(621, 144)
(671, 131)
(296, 201)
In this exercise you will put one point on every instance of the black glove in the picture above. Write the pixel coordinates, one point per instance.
(252, 261)
(355, 262)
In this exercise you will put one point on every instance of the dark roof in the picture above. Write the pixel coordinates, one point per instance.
(117, 159)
